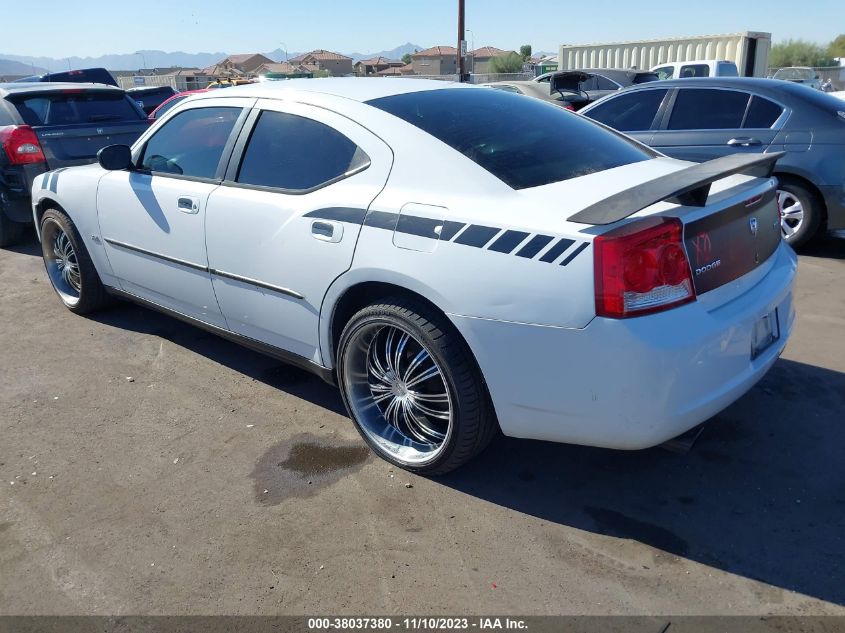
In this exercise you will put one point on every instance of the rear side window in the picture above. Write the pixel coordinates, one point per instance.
(297, 154)
(523, 142)
(727, 69)
(706, 109)
(72, 107)
(629, 112)
(762, 113)
(603, 83)
(694, 70)
(191, 143)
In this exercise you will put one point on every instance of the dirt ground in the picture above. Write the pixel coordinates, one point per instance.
(147, 467)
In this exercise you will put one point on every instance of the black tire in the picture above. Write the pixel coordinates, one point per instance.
(90, 295)
(791, 191)
(11, 232)
(472, 423)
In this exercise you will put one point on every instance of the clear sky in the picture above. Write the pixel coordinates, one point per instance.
(62, 28)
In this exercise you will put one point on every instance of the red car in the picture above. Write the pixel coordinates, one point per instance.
(172, 101)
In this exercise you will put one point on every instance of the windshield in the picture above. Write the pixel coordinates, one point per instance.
(523, 142)
(795, 74)
(71, 106)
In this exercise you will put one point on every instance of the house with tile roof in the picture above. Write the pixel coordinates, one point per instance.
(479, 59)
(437, 60)
(397, 71)
(238, 65)
(334, 64)
(375, 65)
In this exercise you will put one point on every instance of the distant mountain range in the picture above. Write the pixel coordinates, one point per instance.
(10, 67)
(23, 65)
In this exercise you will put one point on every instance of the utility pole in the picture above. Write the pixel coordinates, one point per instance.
(463, 76)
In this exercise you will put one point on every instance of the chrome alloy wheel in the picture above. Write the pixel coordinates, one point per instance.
(791, 213)
(397, 392)
(62, 264)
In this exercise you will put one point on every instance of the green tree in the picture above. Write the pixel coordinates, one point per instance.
(407, 59)
(799, 53)
(510, 63)
(525, 52)
(837, 47)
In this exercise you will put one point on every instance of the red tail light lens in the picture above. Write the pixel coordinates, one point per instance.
(641, 268)
(21, 145)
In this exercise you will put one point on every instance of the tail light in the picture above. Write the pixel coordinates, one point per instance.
(21, 145)
(641, 268)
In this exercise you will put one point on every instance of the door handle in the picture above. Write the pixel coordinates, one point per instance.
(744, 141)
(187, 204)
(326, 231)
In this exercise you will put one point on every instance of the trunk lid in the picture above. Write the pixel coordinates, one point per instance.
(730, 242)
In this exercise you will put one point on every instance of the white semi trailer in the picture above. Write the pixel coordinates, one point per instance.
(748, 50)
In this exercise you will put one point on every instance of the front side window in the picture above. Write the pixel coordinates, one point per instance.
(522, 142)
(191, 143)
(291, 152)
(631, 112)
(708, 109)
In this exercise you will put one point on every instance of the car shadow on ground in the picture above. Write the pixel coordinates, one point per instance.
(28, 246)
(761, 494)
(831, 246)
(270, 371)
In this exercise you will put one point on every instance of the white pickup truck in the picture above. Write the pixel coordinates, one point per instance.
(696, 68)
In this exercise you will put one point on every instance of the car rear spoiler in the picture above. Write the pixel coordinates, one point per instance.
(689, 187)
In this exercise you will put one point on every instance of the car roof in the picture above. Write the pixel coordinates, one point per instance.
(355, 88)
(748, 83)
(48, 86)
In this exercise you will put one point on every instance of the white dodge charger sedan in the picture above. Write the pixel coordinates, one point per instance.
(456, 259)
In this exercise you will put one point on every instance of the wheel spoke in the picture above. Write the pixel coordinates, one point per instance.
(420, 358)
(428, 433)
(431, 372)
(441, 398)
(441, 415)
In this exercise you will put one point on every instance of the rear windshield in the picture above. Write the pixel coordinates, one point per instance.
(69, 107)
(523, 141)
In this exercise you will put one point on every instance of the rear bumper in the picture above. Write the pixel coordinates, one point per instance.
(15, 187)
(834, 200)
(635, 383)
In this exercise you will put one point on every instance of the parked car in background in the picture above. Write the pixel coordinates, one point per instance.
(83, 75)
(47, 126)
(541, 279)
(697, 68)
(537, 90)
(150, 97)
(703, 119)
(581, 87)
(172, 101)
(799, 75)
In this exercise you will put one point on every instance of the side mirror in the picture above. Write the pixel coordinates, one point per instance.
(115, 157)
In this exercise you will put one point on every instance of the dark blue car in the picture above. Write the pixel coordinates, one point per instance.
(702, 119)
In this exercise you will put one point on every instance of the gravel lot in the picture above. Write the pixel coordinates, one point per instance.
(147, 467)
